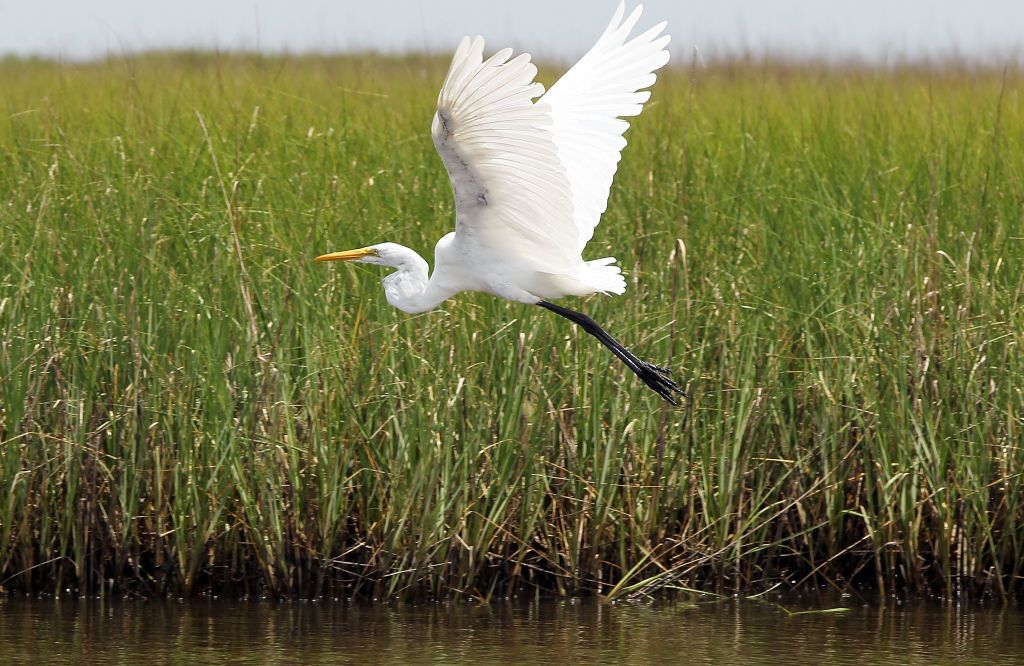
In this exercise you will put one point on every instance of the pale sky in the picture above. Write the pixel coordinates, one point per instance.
(872, 30)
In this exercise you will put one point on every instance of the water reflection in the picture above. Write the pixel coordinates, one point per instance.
(34, 631)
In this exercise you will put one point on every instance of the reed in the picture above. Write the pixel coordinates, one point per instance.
(189, 404)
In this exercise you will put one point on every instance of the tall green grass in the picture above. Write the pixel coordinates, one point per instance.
(189, 404)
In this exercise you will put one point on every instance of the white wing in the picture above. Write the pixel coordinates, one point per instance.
(511, 192)
(587, 103)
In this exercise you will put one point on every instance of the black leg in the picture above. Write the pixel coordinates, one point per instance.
(656, 377)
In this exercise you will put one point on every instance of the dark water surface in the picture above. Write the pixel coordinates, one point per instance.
(730, 632)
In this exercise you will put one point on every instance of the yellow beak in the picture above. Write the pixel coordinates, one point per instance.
(348, 255)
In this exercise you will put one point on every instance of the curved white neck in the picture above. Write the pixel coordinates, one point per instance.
(409, 288)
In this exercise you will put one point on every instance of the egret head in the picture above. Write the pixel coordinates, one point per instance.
(383, 254)
(406, 287)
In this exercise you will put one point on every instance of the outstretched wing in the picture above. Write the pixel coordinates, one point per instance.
(511, 191)
(587, 105)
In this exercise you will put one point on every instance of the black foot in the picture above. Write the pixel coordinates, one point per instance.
(657, 378)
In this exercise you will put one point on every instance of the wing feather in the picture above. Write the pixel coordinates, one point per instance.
(511, 190)
(587, 105)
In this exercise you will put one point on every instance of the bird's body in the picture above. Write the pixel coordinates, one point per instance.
(531, 173)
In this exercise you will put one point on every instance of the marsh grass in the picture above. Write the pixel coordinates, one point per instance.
(189, 404)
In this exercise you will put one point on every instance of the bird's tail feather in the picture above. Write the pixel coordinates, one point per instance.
(602, 275)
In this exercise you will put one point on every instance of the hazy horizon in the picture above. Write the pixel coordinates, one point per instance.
(874, 31)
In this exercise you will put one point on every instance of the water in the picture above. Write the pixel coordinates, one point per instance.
(747, 632)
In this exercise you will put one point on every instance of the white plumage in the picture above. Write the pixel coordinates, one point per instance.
(532, 177)
(587, 106)
(531, 173)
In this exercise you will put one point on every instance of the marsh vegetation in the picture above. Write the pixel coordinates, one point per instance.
(189, 404)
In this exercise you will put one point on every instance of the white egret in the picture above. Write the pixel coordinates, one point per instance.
(531, 173)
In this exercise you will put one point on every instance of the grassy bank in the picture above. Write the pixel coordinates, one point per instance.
(188, 403)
